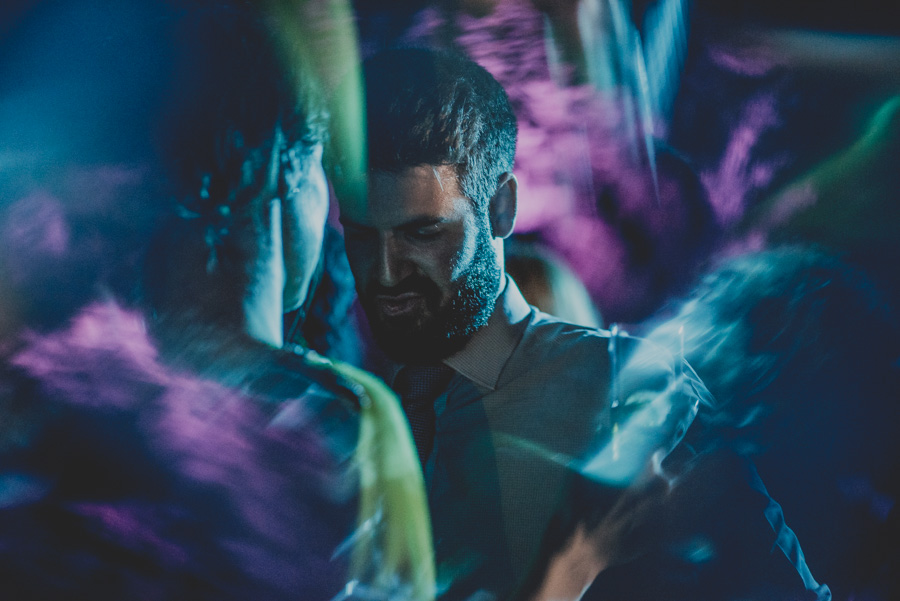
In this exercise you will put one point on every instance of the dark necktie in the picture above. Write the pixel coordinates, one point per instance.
(418, 387)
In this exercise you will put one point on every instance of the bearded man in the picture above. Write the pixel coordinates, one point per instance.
(483, 376)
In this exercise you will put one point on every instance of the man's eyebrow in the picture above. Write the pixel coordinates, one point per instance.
(413, 224)
(420, 222)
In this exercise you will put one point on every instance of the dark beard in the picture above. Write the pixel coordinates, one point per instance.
(421, 341)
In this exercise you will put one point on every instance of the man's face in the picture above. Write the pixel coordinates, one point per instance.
(422, 256)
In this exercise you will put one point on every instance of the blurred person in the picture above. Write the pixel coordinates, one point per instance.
(799, 351)
(185, 454)
(547, 283)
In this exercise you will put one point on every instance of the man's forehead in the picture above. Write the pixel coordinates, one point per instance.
(394, 197)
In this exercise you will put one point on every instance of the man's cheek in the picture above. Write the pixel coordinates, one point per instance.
(460, 261)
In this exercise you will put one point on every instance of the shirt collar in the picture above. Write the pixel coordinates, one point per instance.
(485, 355)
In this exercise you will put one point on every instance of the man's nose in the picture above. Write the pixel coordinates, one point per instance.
(392, 263)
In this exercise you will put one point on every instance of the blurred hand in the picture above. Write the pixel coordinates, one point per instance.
(623, 533)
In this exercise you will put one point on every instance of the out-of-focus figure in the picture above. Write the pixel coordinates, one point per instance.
(173, 450)
(549, 284)
(800, 353)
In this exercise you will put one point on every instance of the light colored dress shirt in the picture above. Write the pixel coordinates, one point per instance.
(529, 399)
(525, 384)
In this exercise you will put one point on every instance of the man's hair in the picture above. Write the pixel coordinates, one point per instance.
(429, 107)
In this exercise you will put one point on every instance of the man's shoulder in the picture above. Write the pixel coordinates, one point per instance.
(553, 336)
(555, 386)
(555, 347)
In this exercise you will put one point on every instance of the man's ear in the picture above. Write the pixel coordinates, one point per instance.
(503, 206)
